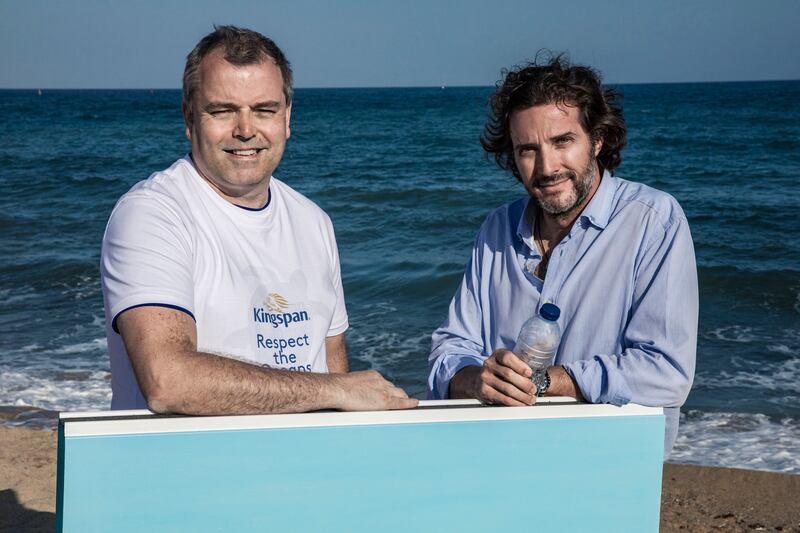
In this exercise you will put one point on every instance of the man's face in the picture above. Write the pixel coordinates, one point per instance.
(555, 157)
(238, 125)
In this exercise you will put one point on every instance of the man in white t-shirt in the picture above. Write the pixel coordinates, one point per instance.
(222, 287)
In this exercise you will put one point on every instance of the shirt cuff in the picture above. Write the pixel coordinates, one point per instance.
(439, 381)
(598, 382)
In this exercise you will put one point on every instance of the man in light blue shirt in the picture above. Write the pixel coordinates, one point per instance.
(615, 256)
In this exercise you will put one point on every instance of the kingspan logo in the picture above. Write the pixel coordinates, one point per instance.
(275, 312)
(276, 303)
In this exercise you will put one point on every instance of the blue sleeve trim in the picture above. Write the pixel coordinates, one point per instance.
(168, 306)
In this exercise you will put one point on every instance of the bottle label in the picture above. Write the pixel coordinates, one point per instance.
(533, 357)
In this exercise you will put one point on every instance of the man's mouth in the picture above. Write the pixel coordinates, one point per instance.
(244, 152)
(554, 181)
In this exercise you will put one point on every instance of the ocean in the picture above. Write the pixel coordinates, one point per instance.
(403, 177)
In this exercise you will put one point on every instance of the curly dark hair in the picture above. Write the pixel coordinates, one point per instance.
(555, 81)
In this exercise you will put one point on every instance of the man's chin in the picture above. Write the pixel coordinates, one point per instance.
(555, 205)
(247, 174)
(234, 182)
(247, 183)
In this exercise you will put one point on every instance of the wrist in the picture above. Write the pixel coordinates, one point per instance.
(464, 384)
(333, 391)
(562, 383)
(541, 380)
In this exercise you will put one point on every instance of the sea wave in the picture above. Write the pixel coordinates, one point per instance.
(55, 391)
(770, 386)
(738, 440)
(732, 333)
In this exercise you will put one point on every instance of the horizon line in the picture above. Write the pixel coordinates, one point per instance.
(387, 86)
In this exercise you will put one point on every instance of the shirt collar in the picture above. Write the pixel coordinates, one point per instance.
(597, 212)
(524, 227)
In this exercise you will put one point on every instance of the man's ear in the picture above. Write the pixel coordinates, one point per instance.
(598, 145)
(187, 118)
(288, 120)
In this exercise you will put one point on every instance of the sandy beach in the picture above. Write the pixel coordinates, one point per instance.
(694, 498)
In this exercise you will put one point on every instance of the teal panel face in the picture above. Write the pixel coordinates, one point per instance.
(586, 474)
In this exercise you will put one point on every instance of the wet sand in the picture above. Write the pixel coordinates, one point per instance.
(694, 498)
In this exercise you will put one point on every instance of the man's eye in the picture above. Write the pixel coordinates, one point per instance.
(563, 141)
(266, 111)
(220, 112)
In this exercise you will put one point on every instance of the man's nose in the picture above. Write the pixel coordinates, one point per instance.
(547, 163)
(244, 126)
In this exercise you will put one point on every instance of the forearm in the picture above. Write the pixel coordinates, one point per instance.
(206, 384)
(174, 377)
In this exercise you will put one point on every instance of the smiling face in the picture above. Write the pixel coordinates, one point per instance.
(556, 158)
(238, 125)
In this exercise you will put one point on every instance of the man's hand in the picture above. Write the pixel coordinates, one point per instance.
(369, 391)
(504, 379)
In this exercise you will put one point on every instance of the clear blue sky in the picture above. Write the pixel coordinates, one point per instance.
(360, 43)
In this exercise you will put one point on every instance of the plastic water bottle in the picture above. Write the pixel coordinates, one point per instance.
(538, 339)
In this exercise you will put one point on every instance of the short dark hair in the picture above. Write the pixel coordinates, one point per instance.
(241, 47)
(555, 81)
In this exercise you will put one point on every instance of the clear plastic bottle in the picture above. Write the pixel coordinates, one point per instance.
(538, 340)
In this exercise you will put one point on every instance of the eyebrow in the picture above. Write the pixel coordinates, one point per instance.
(554, 139)
(228, 106)
(269, 104)
(562, 136)
(219, 106)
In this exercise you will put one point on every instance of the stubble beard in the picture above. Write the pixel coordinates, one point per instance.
(582, 184)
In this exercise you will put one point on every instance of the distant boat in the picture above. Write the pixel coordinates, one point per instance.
(40, 92)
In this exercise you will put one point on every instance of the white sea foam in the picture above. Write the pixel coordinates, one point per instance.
(20, 294)
(62, 391)
(86, 287)
(24, 355)
(31, 348)
(738, 440)
(94, 345)
(783, 376)
(781, 349)
(382, 350)
(732, 333)
(785, 342)
(378, 309)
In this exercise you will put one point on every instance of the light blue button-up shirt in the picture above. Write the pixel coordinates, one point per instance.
(626, 282)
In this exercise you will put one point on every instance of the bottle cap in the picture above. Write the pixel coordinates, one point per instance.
(550, 312)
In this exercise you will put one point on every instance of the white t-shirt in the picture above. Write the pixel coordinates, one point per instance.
(262, 285)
